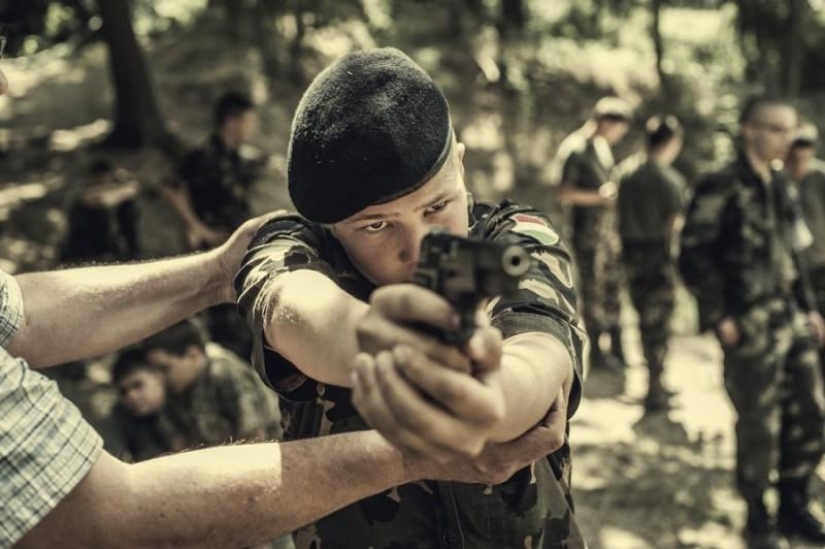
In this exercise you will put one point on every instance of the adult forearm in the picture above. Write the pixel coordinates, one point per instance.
(311, 321)
(79, 313)
(240, 496)
(577, 197)
(534, 369)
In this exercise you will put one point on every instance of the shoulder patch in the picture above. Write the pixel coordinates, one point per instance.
(534, 227)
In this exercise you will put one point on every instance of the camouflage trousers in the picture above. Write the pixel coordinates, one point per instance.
(774, 380)
(599, 284)
(818, 281)
(649, 270)
(451, 515)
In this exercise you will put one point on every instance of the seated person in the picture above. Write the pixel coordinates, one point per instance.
(213, 396)
(136, 418)
(101, 224)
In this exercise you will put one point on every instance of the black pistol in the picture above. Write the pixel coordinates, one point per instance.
(465, 272)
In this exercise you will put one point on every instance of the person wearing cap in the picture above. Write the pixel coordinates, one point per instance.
(59, 488)
(373, 165)
(582, 172)
(808, 173)
(740, 247)
(649, 207)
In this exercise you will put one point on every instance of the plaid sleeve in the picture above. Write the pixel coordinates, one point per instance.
(285, 243)
(546, 299)
(11, 308)
(46, 448)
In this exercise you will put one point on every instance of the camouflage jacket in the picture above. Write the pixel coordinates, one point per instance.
(228, 403)
(218, 181)
(532, 509)
(739, 242)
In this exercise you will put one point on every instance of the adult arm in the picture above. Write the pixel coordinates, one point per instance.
(195, 500)
(79, 313)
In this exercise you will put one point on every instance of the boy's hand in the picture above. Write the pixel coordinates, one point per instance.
(424, 407)
(394, 313)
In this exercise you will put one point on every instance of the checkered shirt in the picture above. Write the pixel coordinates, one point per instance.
(46, 448)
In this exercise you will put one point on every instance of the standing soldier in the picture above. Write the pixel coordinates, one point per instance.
(584, 162)
(212, 195)
(740, 239)
(649, 208)
(809, 175)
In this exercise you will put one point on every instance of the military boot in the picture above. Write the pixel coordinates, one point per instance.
(760, 531)
(657, 396)
(795, 518)
(600, 360)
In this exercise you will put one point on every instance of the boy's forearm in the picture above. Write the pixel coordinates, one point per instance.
(79, 313)
(535, 367)
(311, 321)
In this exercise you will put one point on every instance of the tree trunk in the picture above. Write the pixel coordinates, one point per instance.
(137, 119)
(794, 54)
(658, 45)
(514, 14)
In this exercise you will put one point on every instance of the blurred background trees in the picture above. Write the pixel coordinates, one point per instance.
(520, 73)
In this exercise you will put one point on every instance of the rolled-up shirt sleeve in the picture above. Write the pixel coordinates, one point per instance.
(286, 243)
(546, 297)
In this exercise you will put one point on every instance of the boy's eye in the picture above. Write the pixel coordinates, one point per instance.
(436, 207)
(375, 227)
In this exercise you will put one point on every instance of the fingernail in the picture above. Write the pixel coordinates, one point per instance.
(477, 345)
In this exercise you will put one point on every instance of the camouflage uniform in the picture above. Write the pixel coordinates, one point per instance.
(649, 196)
(812, 197)
(737, 258)
(594, 239)
(219, 183)
(533, 508)
(227, 403)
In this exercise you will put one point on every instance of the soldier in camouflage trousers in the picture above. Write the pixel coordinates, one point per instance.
(649, 207)
(740, 242)
(583, 165)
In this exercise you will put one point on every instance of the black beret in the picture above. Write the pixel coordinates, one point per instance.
(370, 128)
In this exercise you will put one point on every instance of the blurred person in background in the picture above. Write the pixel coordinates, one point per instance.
(211, 194)
(743, 231)
(137, 433)
(101, 223)
(649, 209)
(582, 172)
(808, 173)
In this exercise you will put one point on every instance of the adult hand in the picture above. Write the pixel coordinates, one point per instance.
(498, 462)
(391, 320)
(609, 192)
(817, 327)
(231, 252)
(425, 408)
(728, 331)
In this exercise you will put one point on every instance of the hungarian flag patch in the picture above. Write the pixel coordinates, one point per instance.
(534, 227)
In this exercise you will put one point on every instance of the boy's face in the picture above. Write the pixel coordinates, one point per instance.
(384, 241)
(181, 372)
(142, 392)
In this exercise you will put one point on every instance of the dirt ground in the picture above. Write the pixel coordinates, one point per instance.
(664, 481)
